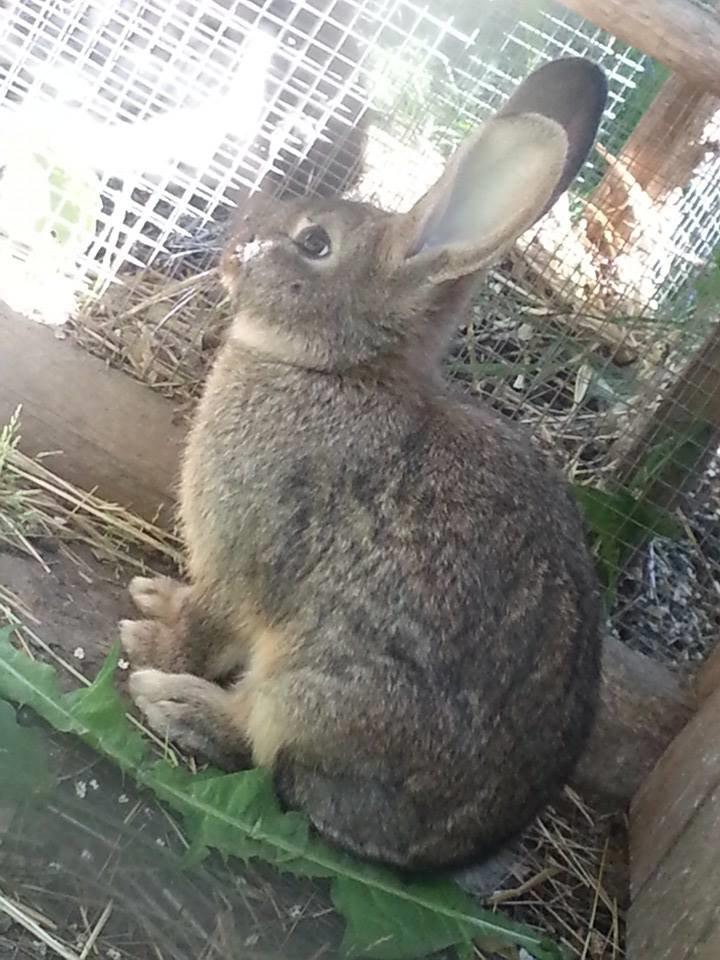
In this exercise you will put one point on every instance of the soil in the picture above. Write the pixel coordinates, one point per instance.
(76, 604)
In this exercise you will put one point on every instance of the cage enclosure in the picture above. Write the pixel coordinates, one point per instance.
(131, 131)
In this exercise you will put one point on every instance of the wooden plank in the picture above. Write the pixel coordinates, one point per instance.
(667, 144)
(676, 916)
(679, 33)
(643, 705)
(661, 156)
(74, 605)
(112, 433)
(684, 777)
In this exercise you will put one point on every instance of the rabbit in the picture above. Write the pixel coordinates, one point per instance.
(395, 581)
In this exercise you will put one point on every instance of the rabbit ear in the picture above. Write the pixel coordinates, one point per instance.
(572, 92)
(506, 176)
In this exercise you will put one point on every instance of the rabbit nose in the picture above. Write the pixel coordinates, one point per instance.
(249, 249)
(244, 240)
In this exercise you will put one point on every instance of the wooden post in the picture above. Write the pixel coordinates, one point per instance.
(643, 705)
(660, 156)
(679, 33)
(674, 863)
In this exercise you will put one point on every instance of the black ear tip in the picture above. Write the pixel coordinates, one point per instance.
(579, 75)
(562, 89)
(579, 69)
(572, 92)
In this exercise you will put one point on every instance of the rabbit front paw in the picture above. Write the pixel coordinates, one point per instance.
(160, 598)
(195, 714)
(150, 643)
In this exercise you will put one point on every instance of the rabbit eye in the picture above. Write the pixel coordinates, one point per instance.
(314, 242)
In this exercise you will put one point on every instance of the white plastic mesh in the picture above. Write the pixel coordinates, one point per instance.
(120, 118)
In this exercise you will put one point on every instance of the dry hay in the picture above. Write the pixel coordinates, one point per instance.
(162, 324)
(569, 879)
(163, 331)
(38, 506)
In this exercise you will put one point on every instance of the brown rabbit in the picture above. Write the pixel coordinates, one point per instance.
(401, 578)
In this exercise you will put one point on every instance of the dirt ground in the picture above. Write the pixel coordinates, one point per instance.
(77, 605)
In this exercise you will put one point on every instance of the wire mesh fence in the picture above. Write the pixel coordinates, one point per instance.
(133, 128)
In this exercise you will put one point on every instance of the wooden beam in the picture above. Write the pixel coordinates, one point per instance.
(679, 33)
(643, 705)
(660, 156)
(687, 773)
(674, 863)
(110, 433)
(677, 914)
(668, 143)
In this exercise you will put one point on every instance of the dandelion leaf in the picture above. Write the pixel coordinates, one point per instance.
(25, 773)
(238, 814)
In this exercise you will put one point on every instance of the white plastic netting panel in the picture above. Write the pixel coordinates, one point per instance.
(121, 119)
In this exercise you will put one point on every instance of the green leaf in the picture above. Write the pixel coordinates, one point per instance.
(96, 713)
(238, 814)
(619, 522)
(396, 920)
(100, 711)
(33, 684)
(674, 456)
(24, 768)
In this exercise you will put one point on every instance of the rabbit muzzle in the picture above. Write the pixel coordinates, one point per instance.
(245, 251)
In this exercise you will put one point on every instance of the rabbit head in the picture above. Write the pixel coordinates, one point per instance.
(336, 284)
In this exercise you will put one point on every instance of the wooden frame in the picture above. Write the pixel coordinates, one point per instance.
(679, 33)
